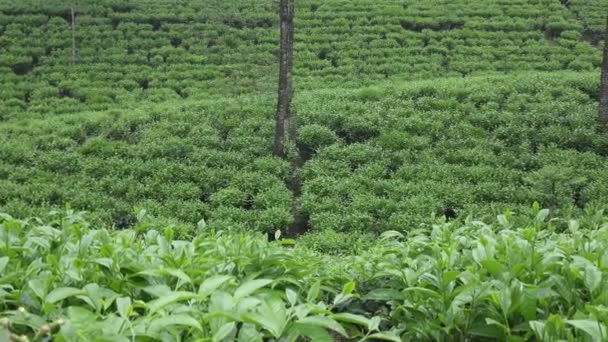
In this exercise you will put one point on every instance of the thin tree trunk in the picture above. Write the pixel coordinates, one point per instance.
(603, 111)
(291, 115)
(283, 114)
(73, 60)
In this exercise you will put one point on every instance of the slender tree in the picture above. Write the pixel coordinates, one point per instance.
(73, 59)
(284, 120)
(603, 111)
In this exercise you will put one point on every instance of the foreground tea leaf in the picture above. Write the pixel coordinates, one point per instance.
(249, 287)
(249, 333)
(3, 263)
(61, 294)
(164, 322)
(123, 306)
(384, 337)
(212, 284)
(595, 329)
(312, 331)
(224, 332)
(313, 292)
(384, 294)
(170, 298)
(352, 318)
(324, 322)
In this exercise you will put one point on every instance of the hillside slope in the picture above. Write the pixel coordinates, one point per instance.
(406, 110)
(380, 158)
(128, 51)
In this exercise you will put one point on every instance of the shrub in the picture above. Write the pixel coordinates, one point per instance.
(331, 242)
(315, 137)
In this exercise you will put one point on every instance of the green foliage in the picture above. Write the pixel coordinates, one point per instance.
(161, 51)
(424, 147)
(591, 12)
(315, 137)
(517, 278)
(472, 145)
(500, 282)
(74, 283)
(330, 242)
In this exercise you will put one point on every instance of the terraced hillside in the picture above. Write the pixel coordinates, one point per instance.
(138, 50)
(448, 181)
(168, 106)
(382, 158)
(592, 13)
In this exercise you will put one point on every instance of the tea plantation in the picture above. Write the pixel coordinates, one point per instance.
(448, 183)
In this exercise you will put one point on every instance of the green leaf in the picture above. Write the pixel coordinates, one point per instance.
(384, 337)
(313, 292)
(158, 290)
(123, 306)
(271, 324)
(528, 303)
(292, 296)
(3, 263)
(535, 207)
(62, 293)
(374, 323)
(324, 322)
(179, 274)
(248, 333)
(493, 267)
(391, 235)
(224, 332)
(271, 315)
(538, 328)
(593, 277)
(449, 277)
(221, 301)
(424, 291)
(38, 286)
(502, 220)
(212, 284)
(341, 299)
(352, 318)
(167, 321)
(314, 332)
(596, 330)
(487, 330)
(250, 287)
(348, 288)
(542, 215)
(170, 298)
(384, 294)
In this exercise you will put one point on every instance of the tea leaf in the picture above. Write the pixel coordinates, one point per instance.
(313, 292)
(211, 284)
(352, 318)
(62, 293)
(595, 329)
(324, 322)
(250, 286)
(162, 323)
(170, 298)
(224, 332)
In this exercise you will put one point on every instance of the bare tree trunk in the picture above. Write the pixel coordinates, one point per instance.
(603, 111)
(73, 60)
(283, 118)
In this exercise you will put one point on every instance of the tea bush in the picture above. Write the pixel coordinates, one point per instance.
(162, 51)
(515, 278)
(478, 144)
(591, 12)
